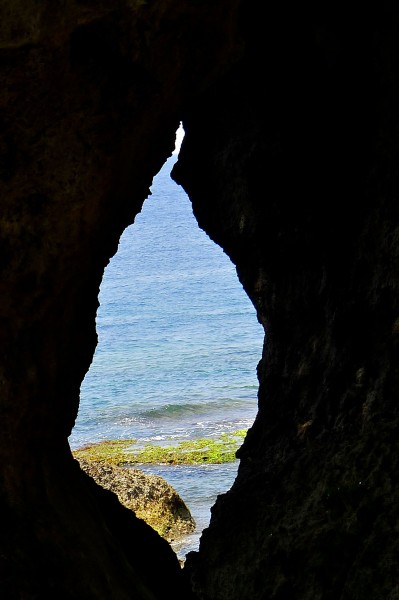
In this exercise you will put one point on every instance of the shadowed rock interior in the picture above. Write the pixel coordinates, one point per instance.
(290, 160)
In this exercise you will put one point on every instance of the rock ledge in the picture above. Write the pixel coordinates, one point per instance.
(149, 496)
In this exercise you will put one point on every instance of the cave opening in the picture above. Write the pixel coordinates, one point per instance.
(178, 344)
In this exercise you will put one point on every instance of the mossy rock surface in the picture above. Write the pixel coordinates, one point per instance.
(149, 496)
(197, 451)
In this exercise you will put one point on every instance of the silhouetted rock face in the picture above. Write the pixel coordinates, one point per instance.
(291, 161)
(90, 99)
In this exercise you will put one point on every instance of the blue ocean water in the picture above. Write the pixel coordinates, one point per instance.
(178, 345)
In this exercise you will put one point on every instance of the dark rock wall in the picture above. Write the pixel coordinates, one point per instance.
(290, 160)
(291, 165)
(90, 98)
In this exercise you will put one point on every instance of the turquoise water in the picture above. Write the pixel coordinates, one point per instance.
(178, 345)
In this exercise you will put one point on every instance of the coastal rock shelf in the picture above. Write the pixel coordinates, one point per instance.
(290, 159)
(150, 497)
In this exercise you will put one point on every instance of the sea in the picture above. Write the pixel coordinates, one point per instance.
(178, 346)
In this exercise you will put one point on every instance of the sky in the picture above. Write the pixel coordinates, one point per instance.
(179, 139)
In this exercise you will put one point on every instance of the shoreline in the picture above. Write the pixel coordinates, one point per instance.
(198, 451)
(199, 470)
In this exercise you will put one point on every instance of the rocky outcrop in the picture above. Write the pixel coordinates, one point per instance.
(149, 496)
(90, 99)
(291, 161)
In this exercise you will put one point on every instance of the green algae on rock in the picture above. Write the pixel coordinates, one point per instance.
(196, 451)
(109, 451)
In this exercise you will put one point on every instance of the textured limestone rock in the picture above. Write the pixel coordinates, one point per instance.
(150, 497)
